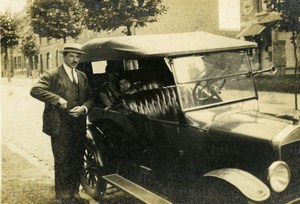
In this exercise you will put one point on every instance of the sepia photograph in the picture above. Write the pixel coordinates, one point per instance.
(150, 101)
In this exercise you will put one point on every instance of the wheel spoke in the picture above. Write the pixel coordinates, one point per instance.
(92, 181)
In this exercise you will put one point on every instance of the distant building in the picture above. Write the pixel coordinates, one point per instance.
(187, 16)
(274, 48)
(190, 16)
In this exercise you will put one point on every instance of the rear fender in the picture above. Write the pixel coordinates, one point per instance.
(248, 184)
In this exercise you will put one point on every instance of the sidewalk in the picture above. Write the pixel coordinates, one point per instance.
(27, 161)
(23, 182)
(19, 81)
(26, 183)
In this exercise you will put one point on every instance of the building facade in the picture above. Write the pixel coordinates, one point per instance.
(180, 17)
(274, 48)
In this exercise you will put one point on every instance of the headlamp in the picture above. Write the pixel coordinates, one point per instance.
(279, 176)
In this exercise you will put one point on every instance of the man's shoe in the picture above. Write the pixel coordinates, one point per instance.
(62, 196)
(80, 200)
(64, 201)
(71, 201)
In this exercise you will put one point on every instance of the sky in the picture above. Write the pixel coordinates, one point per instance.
(12, 5)
(229, 14)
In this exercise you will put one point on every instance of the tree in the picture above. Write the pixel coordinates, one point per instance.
(9, 38)
(56, 18)
(290, 22)
(30, 47)
(112, 14)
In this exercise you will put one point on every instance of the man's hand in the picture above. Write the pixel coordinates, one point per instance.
(77, 111)
(62, 103)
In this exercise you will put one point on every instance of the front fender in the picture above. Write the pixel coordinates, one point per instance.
(94, 136)
(248, 184)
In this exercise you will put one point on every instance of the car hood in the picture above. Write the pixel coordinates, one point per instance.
(234, 122)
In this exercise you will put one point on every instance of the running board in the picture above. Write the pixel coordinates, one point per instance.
(134, 189)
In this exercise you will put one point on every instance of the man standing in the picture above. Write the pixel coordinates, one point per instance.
(68, 98)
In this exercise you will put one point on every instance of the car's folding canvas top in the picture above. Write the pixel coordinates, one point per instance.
(129, 47)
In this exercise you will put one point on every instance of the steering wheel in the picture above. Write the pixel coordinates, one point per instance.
(204, 90)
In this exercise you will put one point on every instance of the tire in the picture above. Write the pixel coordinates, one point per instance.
(102, 158)
(92, 181)
(97, 163)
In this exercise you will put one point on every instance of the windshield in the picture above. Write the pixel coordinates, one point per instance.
(213, 78)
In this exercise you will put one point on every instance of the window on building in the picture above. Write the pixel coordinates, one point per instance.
(15, 62)
(19, 59)
(48, 58)
(36, 60)
(270, 56)
(18, 62)
(261, 6)
(41, 63)
(56, 58)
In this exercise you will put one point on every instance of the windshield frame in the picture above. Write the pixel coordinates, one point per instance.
(248, 73)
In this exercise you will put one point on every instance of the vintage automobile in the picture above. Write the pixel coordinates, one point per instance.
(192, 132)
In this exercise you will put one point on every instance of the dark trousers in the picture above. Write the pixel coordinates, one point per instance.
(68, 149)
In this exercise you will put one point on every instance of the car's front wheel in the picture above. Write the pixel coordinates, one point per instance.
(92, 181)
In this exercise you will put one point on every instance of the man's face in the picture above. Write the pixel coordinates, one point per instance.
(71, 59)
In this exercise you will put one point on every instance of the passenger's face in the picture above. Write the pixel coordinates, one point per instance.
(124, 84)
(71, 59)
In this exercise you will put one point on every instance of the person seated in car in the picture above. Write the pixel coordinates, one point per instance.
(109, 93)
(126, 88)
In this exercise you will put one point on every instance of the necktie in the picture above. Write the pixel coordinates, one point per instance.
(75, 83)
(73, 78)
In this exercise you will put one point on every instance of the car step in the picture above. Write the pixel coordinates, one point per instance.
(134, 189)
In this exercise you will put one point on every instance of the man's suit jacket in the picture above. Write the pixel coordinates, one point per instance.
(53, 85)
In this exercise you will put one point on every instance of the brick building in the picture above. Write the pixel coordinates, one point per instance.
(190, 15)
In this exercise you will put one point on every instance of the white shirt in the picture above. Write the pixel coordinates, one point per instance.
(69, 72)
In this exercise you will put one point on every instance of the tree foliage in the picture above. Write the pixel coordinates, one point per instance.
(29, 45)
(56, 18)
(9, 38)
(112, 14)
(8, 31)
(289, 22)
(290, 13)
